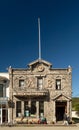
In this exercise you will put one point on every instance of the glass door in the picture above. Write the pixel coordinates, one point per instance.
(4, 115)
(0, 116)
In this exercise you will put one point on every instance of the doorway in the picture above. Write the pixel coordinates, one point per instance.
(60, 109)
(0, 116)
(3, 116)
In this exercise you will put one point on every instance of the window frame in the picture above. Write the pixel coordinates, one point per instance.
(41, 108)
(1, 90)
(18, 108)
(21, 83)
(40, 84)
(58, 87)
(33, 108)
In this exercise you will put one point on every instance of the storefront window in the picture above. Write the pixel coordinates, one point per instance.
(18, 108)
(33, 108)
(41, 108)
(26, 109)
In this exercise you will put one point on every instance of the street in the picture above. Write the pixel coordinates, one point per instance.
(76, 127)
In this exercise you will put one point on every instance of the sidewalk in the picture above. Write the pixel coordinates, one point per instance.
(53, 127)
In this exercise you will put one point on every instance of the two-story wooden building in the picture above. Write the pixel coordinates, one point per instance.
(40, 90)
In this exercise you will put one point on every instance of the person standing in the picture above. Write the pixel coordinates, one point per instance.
(65, 119)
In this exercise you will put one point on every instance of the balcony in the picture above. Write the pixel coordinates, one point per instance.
(23, 92)
(3, 100)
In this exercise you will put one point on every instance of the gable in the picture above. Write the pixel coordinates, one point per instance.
(61, 97)
(39, 64)
(40, 61)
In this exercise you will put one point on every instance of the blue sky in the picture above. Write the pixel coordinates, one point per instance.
(59, 34)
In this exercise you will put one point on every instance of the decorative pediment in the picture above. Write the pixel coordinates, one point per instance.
(61, 97)
(39, 61)
(40, 65)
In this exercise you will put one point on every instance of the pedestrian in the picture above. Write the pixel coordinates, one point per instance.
(65, 119)
(68, 119)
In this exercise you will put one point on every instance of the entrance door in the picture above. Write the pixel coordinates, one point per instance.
(4, 115)
(0, 116)
(60, 109)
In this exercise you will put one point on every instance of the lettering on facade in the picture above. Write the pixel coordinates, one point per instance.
(49, 83)
(30, 83)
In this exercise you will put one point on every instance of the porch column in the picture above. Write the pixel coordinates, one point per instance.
(37, 109)
(68, 109)
(22, 107)
(14, 110)
(54, 111)
(70, 103)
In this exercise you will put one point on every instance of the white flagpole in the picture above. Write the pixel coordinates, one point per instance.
(39, 38)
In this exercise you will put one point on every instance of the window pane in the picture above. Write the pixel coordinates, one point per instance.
(40, 83)
(18, 108)
(1, 90)
(4, 115)
(33, 108)
(58, 84)
(21, 83)
(41, 108)
(25, 107)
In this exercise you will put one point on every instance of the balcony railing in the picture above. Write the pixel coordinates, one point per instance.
(3, 98)
(30, 92)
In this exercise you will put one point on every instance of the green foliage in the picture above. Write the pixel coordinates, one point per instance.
(76, 120)
(77, 107)
(75, 103)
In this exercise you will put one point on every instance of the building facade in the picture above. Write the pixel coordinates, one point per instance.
(4, 97)
(40, 90)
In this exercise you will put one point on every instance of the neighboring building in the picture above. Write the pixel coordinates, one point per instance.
(75, 114)
(40, 90)
(4, 96)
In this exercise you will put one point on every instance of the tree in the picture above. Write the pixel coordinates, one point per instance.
(77, 109)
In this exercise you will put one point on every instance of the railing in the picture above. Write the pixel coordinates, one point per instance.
(35, 91)
(3, 98)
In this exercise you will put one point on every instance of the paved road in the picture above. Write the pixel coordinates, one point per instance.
(42, 128)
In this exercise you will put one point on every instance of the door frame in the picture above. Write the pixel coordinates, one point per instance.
(0, 115)
(60, 109)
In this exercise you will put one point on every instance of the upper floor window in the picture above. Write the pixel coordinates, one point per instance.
(58, 84)
(39, 82)
(21, 83)
(1, 90)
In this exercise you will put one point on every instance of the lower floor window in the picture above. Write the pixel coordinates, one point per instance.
(3, 112)
(18, 108)
(33, 108)
(41, 108)
(29, 110)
